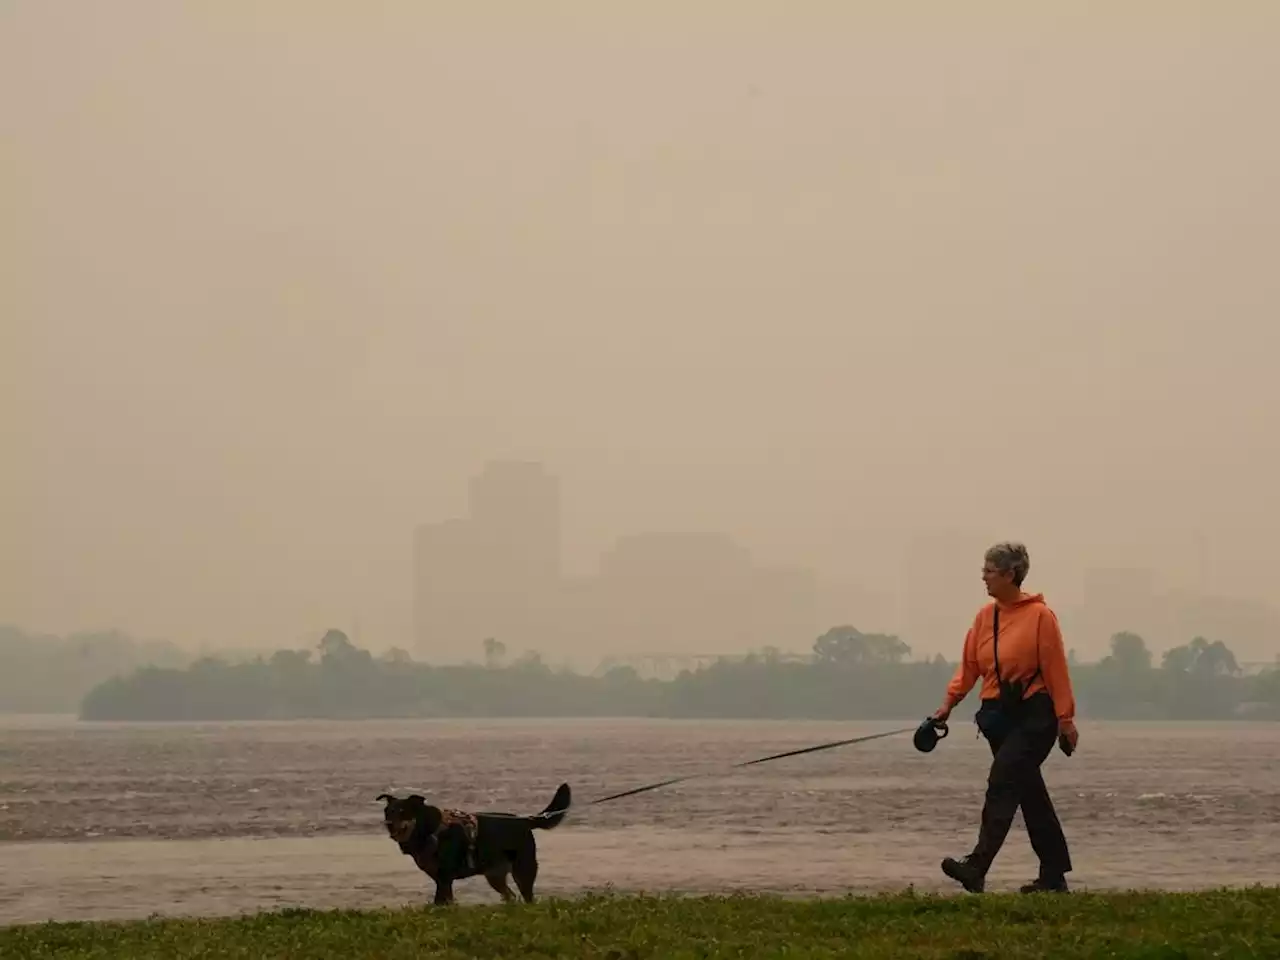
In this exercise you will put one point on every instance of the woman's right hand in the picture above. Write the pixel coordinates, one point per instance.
(942, 713)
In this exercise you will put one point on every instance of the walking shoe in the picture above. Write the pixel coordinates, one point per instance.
(966, 873)
(1045, 885)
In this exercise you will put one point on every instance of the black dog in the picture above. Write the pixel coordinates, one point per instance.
(449, 845)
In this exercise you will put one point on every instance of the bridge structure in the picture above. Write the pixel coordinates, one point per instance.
(1255, 667)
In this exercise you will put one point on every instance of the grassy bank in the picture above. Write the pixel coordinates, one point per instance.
(1147, 925)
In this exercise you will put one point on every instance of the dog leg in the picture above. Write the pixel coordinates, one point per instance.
(444, 891)
(525, 872)
(498, 880)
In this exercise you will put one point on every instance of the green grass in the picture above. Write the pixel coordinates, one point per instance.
(1240, 923)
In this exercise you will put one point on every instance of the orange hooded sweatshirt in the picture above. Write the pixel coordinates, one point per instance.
(1029, 638)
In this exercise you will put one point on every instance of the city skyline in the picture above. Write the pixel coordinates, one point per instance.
(465, 590)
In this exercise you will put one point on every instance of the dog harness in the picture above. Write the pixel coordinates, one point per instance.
(470, 828)
(470, 825)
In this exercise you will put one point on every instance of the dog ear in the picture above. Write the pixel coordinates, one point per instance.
(416, 799)
(385, 796)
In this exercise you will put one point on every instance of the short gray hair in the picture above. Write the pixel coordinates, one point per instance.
(1010, 557)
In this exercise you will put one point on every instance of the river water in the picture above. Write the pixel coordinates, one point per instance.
(128, 820)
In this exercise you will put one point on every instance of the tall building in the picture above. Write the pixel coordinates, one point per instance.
(514, 509)
(496, 572)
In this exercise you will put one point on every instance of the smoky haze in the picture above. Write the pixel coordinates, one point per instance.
(279, 279)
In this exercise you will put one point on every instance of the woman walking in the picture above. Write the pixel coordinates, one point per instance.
(1015, 646)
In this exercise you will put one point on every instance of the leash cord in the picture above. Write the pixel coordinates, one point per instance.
(548, 814)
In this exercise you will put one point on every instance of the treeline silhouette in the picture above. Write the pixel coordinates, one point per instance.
(850, 675)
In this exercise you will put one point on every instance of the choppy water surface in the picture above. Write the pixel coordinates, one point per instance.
(129, 820)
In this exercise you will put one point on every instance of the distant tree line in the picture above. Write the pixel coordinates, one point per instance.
(1200, 680)
(850, 675)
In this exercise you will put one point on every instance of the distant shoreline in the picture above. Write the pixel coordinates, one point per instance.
(848, 676)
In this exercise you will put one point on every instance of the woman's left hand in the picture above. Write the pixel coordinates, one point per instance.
(1069, 734)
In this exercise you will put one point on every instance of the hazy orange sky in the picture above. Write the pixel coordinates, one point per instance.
(278, 277)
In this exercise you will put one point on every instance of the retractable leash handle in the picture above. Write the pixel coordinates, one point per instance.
(930, 731)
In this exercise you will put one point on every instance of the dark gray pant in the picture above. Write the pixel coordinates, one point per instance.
(1019, 745)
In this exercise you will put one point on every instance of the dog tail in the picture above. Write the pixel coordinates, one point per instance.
(551, 817)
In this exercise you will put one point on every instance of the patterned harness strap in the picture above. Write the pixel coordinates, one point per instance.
(470, 828)
(470, 825)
